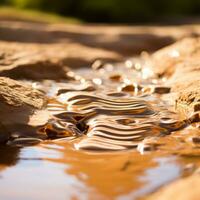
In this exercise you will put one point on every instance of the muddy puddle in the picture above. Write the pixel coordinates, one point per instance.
(113, 134)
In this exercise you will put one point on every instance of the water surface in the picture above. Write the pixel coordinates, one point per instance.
(113, 134)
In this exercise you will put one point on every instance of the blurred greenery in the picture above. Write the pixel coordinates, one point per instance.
(113, 10)
(35, 16)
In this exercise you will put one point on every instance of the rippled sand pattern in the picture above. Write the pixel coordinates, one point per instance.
(111, 107)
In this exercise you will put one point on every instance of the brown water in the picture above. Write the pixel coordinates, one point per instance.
(113, 135)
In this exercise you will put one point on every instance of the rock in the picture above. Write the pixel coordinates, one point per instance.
(185, 81)
(131, 88)
(180, 62)
(16, 94)
(18, 104)
(36, 51)
(195, 140)
(125, 40)
(46, 61)
(97, 64)
(162, 90)
(116, 77)
(21, 142)
(165, 61)
(187, 100)
(183, 189)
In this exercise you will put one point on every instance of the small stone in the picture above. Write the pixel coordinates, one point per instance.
(194, 117)
(128, 88)
(131, 88)
(162, 90)
(195, 140)
(24, 142)
(147, 90)
(116, 77)
(142, 147)
(97, 64)
(197, 107)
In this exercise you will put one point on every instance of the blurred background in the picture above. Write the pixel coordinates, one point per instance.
(115, 11)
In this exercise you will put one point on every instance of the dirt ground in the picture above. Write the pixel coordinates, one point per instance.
(30, 50)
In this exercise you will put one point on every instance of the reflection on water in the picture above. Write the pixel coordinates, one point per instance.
(111, 136)
(34, 177)
(9, 156)
(52, 171)
(167, 170)
(120, 174)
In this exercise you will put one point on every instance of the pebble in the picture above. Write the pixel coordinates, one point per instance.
(24, 142)
(195, 140)
(161, 90)
(142, 147)
(97, 64)
(131, 88)
(115, 77)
